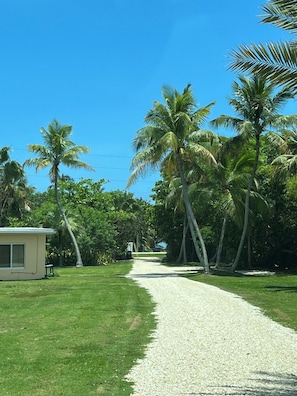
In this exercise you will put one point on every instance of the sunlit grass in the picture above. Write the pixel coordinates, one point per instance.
(78, 333)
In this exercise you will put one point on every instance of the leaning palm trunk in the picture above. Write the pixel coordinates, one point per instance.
(220, 247)
(194, 228)
(183, 251)
(60, 248)
(247, 206)
(79, 262)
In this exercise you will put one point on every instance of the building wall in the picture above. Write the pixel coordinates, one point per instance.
(34, 267)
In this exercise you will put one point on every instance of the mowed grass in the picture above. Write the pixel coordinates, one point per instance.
(276, 295)
(78, 333)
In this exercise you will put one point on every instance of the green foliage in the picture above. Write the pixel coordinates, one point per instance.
(291, 190)
(14, 192)
(205, 179)
(167, 219)
(103, 222)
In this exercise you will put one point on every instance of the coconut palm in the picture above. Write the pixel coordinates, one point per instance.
(168, 142)
(275, 61)
(58, 150)
(257, 107)
(196, 171)
(229, 183)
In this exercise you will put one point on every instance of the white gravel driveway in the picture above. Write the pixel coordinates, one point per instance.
(210, 342)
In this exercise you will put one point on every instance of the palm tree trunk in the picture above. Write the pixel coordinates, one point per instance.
(183, 251)
(247, 206)
(220, 247)
(194, 228)
(79, 262)
(3, 204)
(249, 252)
(60, 248)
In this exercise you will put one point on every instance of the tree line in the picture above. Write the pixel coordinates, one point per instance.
(224, 201)
(193, 160)
(92, 226)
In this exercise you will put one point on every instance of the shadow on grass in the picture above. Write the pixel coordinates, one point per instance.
(154, 275)
(276, 288)
(222, 272)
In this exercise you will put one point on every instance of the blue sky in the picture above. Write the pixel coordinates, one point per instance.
(98, 66)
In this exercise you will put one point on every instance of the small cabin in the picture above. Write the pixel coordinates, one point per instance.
(22, 252)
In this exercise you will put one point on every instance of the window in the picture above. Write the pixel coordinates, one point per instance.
(12, 256)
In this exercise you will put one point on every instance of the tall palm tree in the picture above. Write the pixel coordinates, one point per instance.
(230, 179)
(229, 184)
(195, 172)
(58, 150)
(169, 141)
(257, 108)
(275, 61)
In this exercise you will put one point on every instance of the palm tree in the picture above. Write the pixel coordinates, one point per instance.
(229, 183)
(57, 150)
(257, 109)
(168, 142)
(275, 61)
(230, 179)
(13, 187)
(196, 173)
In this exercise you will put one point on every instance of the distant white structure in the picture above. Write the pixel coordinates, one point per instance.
(130, 247)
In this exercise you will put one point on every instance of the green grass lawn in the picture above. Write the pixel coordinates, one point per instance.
(78, 333)
(276, 295)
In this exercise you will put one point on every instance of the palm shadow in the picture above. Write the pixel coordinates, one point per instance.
(276, 288)
(274, 384)
(155, 275)
(265, 384)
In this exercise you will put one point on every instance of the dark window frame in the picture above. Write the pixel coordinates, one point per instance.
(8, 261)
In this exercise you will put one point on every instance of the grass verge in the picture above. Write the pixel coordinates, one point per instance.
(78, 333)
(276, 295)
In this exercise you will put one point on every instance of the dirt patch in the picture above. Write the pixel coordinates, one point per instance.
(282, 315)
(135, 322)
(100, 389)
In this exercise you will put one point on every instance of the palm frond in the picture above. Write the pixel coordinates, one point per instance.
(200, 115)
(275, 61)
(201, 153)
(281, 13)
(246, 161)
(144, 163)
(286, 163)
(146, 137)
(38, 163)
(227, 122)
(170, 141)
(277, 141)
(4, 154)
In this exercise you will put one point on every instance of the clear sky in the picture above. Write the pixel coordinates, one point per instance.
(98, 65)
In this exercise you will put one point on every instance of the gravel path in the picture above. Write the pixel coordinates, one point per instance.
(210, 342)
